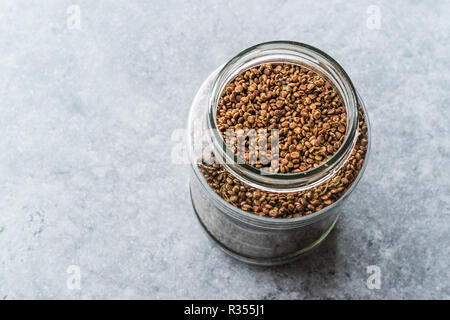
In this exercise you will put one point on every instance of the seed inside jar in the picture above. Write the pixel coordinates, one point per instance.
(310, 119)
(304, 108)
(287, 205)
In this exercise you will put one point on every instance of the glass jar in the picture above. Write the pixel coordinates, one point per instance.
(244, 235)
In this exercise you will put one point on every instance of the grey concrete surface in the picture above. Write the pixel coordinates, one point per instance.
(89, 120)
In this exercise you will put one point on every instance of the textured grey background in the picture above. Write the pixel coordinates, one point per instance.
(86, 125)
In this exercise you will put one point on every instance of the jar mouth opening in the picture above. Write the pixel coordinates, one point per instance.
(292, 53)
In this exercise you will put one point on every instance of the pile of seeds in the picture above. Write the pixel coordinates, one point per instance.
(302, 105)
(288, 205)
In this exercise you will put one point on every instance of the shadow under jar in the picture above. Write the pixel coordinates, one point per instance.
(264, 240)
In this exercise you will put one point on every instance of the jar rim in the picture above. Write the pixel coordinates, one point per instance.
(292, 52)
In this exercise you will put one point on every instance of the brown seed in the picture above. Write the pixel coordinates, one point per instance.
(304, 113)
(319, 82)
(279, 103)
(317, 114)
(295, 155)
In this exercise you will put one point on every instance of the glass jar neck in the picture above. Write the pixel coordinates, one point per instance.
(307, 57)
